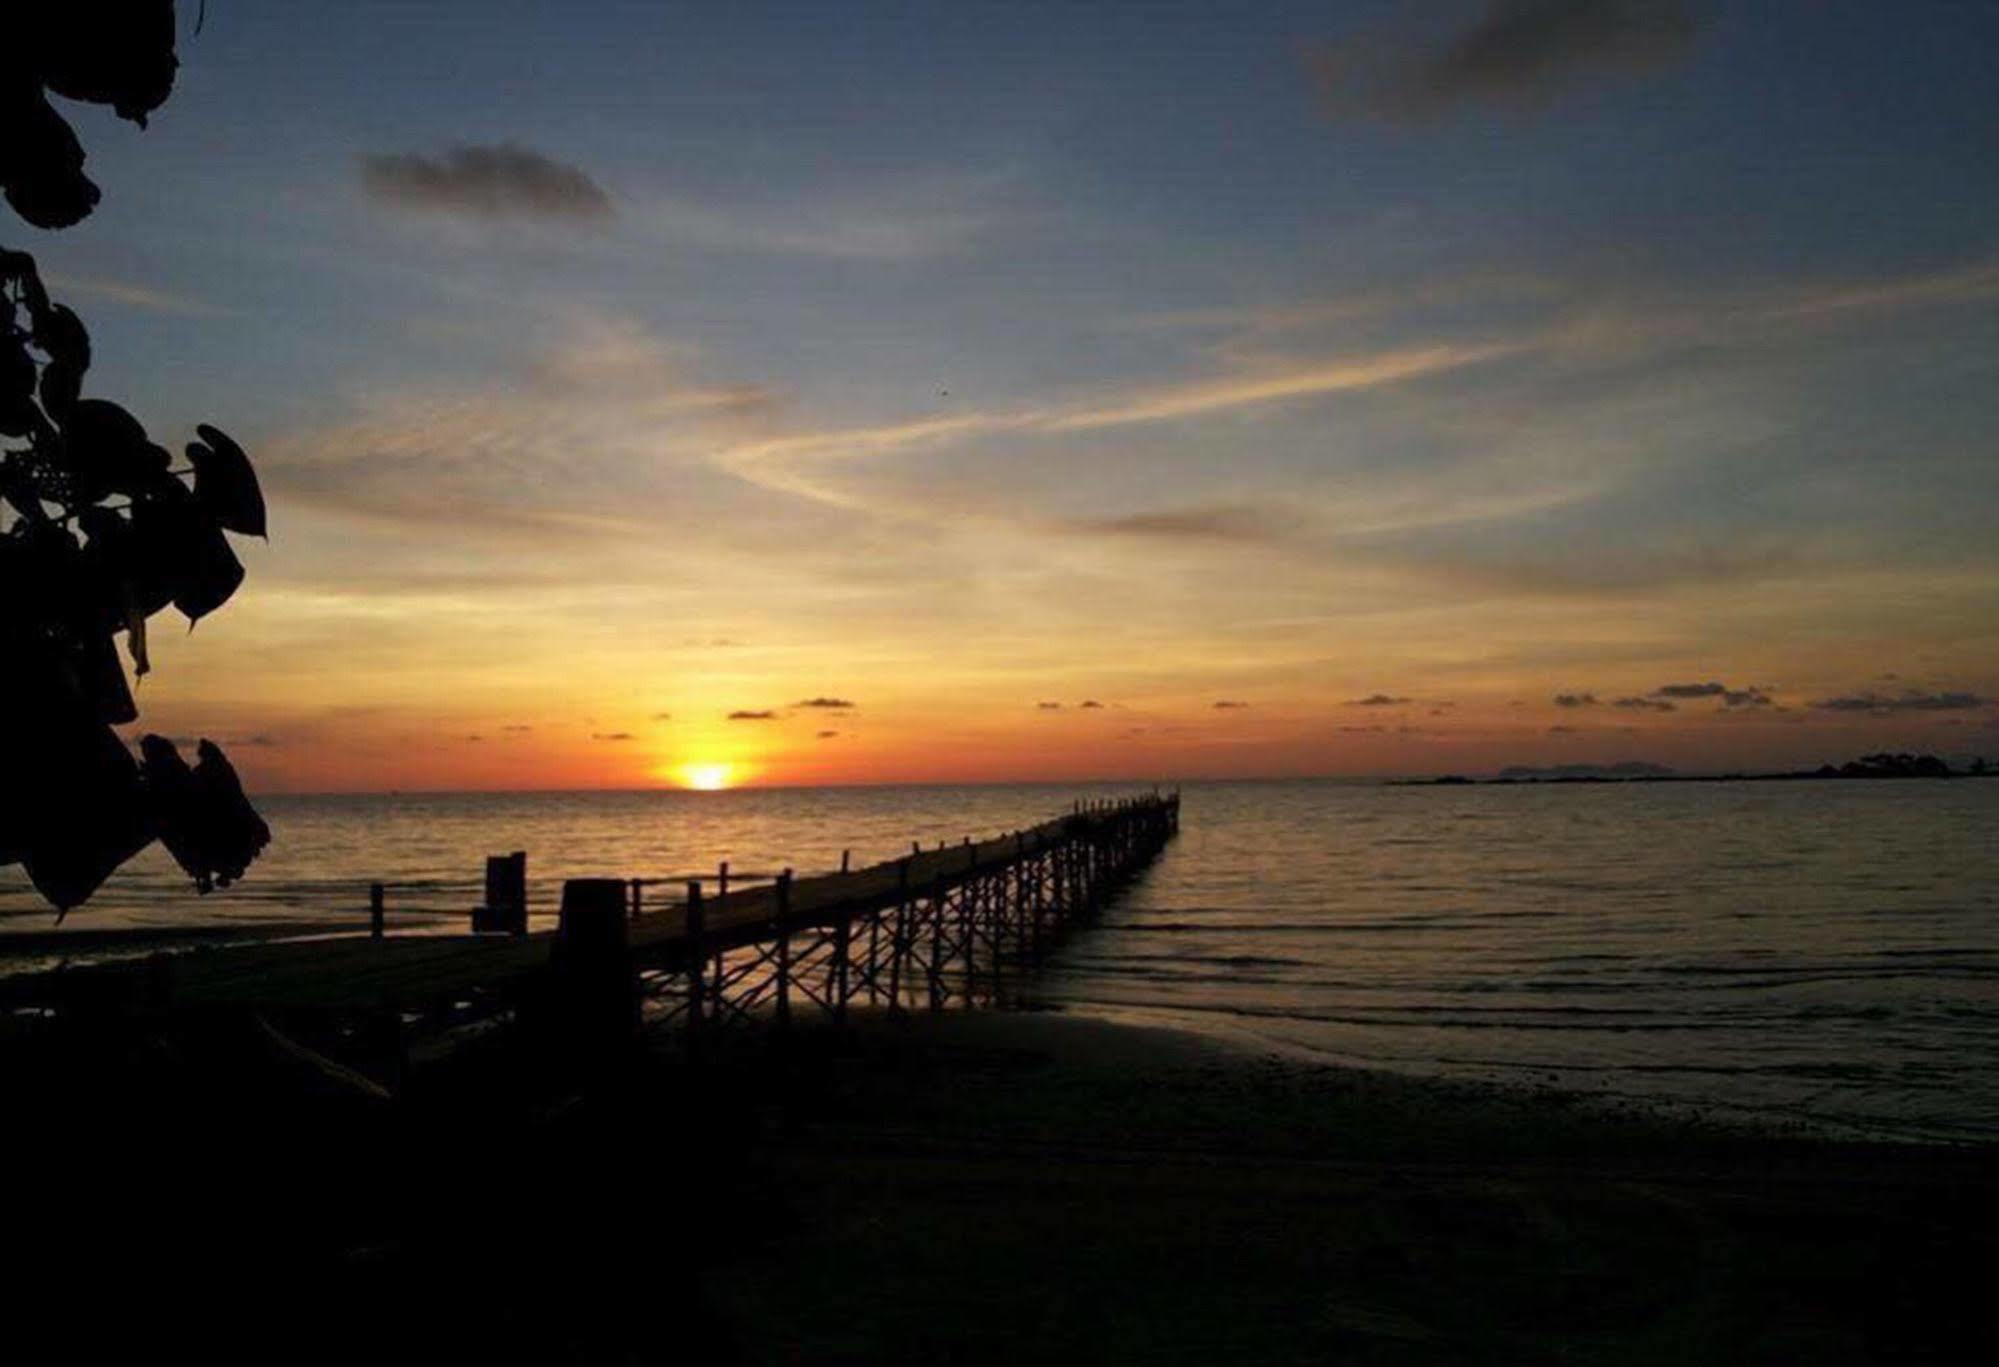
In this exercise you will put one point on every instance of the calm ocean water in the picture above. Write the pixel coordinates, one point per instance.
(1823, 951)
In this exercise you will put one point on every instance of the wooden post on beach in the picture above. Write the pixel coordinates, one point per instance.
(376, 920)
(638, 897)
(591, 960)
(846, 860)
(697, 959)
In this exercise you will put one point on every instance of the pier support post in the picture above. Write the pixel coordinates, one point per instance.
(936, 964)
(968, 932)
(843, 942)
(898, 940)
(377, 921)
(697, 961)
(784, 948)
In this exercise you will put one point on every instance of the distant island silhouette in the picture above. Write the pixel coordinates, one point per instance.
(1883, 765)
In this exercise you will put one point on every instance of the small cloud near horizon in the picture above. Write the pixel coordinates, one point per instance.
(746, 714)
(1643, 704)
(1710, 689)
(611, 735)
(827, 704)
(1575, 700)
(828, 735)
(1378, 700)
(1090, 705)
(1909, 700)
(1229, 705)
(488, 181)
(1048, 706)
(1747, 698)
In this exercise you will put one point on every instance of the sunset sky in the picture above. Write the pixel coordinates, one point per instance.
(884, 392)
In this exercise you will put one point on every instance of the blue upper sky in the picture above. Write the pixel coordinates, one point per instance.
(1472, 352)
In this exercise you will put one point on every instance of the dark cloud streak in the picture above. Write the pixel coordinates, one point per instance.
(1521, 54)
(503, 180)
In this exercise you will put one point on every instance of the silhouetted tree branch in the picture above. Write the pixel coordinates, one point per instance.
(97, 531)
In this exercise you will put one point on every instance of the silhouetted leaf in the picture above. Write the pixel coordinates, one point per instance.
(179, 554)
(235, 834)
(201, 814)
(62, 337)
(41, 162)
(86, 814)
(109, 581)
(225, 483)
(115, 52)
(17, 389)
(62, 384)
(209, 576)
(109, 451)
(162, 531)
(102, 679)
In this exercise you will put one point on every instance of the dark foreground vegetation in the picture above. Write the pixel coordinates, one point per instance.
(968, 1189)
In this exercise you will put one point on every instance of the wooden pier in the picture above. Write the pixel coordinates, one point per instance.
(932, 927)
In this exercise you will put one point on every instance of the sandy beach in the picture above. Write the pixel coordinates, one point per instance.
(980, 1187)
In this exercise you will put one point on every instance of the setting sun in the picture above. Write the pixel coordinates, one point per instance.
(706, 777)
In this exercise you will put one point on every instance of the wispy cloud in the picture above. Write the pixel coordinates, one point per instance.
(1228, 705)
(1517, 53)
(1575, 700)
(748, 714)
(487, 181)
(1379, 700)
(611, 735)
(1643, 704)
(129, 294)
(827, 704)
(790, 463)
(553, 454)
(1329, 377)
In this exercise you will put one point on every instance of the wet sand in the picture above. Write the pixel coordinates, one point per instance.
(1024, 1187)
(969, 1188)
